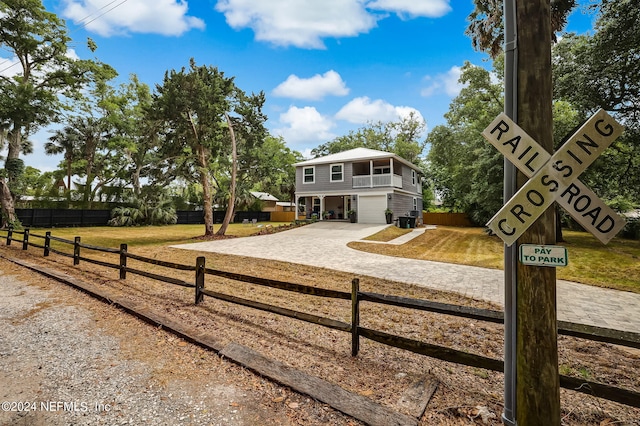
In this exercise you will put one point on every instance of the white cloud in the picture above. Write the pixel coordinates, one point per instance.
(305, 23)
(166, 17)
(412, 8)
(447, 83)
(300, 23)
(9, 67)
(363, 110)
(314, 88)
(305, 125)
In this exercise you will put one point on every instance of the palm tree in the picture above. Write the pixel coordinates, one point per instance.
(64, 141)
(79, 140)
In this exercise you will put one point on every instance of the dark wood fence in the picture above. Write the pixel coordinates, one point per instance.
(356, 297)
(60, 218)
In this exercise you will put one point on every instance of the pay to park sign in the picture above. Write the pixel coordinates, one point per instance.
(554, 178)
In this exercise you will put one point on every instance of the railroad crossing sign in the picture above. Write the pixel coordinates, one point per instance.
(554, 178)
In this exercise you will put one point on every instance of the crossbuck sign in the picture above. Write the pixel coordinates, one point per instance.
(554, 178)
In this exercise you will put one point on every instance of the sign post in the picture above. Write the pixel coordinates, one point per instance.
(551, 178)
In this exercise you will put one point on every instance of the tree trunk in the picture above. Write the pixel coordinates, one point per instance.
(69, 163)
(537, 380)
(135, 181)
(6, 200)
(206, 191)
(88, 193)
(559, 237)
(15, 146)
(232, 188)
(6, 197)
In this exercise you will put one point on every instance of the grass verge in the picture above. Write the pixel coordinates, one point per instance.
(616, 265)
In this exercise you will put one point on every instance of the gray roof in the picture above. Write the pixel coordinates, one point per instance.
(264, 196)
(356, 154)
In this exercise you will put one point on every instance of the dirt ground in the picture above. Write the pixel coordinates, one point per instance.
(464, 395)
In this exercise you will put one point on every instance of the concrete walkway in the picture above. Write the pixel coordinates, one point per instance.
(324, 244)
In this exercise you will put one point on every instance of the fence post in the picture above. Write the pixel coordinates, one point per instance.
(355, 317)
(47, 243)
(9, 234)
(76, 251)
(123, 261)
(200, 262)
(25, 240)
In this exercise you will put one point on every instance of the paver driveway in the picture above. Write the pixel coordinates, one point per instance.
(324, 244)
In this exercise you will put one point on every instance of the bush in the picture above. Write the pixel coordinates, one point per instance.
(632, 229)
(142, 212)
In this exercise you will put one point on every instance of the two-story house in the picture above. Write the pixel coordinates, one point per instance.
(361, 179)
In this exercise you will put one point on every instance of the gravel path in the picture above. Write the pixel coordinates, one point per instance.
(87, 363)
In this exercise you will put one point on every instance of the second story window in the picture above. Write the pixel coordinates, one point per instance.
(337, 172)
(308, 174)
(413, 177)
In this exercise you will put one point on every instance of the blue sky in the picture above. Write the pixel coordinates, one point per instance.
(326, 66)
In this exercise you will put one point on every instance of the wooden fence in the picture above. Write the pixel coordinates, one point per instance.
(446, 219)
(283, 216)
(356, 297)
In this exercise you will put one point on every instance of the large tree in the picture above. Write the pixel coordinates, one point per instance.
(403, 137)
(602, 70)
(134, 132)
(33, 89)
(194, 104)
(466, 171)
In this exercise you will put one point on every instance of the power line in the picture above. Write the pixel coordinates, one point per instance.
(102, 14)
(81, 26)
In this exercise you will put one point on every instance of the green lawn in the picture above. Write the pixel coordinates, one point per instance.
(616, 265)
(138, 236)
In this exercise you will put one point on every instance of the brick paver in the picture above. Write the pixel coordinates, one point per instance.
(324, 244)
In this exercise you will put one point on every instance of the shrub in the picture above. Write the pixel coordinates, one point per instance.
(143, 212)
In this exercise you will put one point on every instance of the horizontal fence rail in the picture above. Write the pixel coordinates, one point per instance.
(629, 339)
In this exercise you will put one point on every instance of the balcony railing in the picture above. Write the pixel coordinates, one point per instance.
(374, 181)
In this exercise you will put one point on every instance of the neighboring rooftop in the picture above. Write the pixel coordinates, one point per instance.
(263, 196)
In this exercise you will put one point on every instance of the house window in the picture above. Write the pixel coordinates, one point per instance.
(382, 170)
(309, 174)
(337, 174)
(415, 203)
(413, 177)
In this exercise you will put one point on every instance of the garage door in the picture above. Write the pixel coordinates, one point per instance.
(371, 208)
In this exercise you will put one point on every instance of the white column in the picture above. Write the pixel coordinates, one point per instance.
(370, 173)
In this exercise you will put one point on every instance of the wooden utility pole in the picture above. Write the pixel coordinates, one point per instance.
(537, 380)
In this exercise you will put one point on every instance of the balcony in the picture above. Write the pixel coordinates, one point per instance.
(376, 181)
